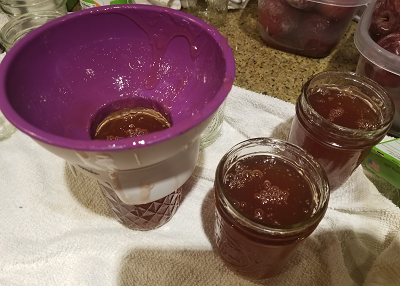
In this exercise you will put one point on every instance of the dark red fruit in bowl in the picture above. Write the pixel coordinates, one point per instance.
(301, 4)
(317, 35)
(385, 19)
(396, 5)
(336, 13)
(278, 17)
(391, 43)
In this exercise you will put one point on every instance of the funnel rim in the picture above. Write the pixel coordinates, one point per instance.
(129, 143)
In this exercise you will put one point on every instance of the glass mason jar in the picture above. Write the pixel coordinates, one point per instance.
(145, 216)
(213, 12)
(247, 245)
(18, 27)
(340, 150)
(14, 8)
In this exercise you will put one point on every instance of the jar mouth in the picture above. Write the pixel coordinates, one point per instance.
(320, 189)
(376, 95)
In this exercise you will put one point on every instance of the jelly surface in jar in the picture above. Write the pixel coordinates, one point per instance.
(343, 107)
(268, 191)
(272, 193)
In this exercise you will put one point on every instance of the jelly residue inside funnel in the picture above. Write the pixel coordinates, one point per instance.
(130, 122)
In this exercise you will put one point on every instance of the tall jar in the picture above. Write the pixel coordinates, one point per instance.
(340, 150)
(247, 244)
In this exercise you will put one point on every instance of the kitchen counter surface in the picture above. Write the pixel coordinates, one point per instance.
(268, 71)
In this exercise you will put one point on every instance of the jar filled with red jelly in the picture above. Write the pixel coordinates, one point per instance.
(340, 116)
(310, 28)
(269, 195)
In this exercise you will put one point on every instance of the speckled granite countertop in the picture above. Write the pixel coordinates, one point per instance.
(265, 70)
(278, 74)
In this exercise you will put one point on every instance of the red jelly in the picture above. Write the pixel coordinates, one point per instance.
(266, 204)
(340, 116)
(346, 108)
(268, 190)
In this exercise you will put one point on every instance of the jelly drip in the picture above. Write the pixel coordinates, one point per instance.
(160, 37)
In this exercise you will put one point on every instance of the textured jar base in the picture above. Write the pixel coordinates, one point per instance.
(146, 216)
(248, 258)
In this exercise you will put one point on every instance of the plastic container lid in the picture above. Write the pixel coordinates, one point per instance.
(371, 50)
(344, 3)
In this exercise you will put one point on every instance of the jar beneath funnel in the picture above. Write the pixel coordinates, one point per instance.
(148, 207)
(144, 216)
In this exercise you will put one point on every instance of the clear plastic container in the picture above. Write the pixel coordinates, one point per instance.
(18, 27)
(340, 149)
(378, 64)
(14, 8)
(309, 28)
(249, 245)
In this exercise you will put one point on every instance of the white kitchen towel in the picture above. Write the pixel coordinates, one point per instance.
(56, 229)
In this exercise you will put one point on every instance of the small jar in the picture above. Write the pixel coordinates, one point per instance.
(310, 28)
(14, 8)
(247, 244)
(18, 27)
(213, 12)
(340, 150)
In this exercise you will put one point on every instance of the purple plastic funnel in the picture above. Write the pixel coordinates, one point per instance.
(63, 77)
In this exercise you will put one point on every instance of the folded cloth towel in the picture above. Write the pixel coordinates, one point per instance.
(56, 229)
